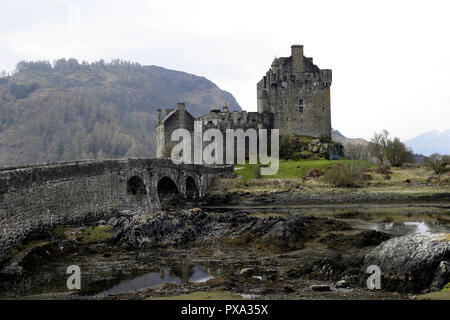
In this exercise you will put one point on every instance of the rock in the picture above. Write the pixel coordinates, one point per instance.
(14, 268)
(341, 284)
(247, 272)
(289, 288)
(113, 222)
(411, 263)
(441, 277)
(320, 287)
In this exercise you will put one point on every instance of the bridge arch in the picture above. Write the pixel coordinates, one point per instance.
(136, 186)
(168, 191)
(137, 193)
(192, 191)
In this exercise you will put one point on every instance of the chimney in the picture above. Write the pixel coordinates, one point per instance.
(181, 106)
(225, 107)
(297, 58)
(159, 116)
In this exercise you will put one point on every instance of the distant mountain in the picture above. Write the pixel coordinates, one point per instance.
(339, 137)
(431, 142)
(70, 110)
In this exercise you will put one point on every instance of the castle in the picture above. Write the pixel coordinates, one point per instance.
(293, 96)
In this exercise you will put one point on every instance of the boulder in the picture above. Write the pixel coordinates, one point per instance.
(412, 263)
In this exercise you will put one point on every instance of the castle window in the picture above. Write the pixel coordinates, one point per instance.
(323, 108)
(300, 105)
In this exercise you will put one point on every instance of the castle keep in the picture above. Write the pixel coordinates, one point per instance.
(297, 92)
(293, 96)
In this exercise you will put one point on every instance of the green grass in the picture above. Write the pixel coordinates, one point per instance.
(203, 295)
(290, 169)
(96, 234)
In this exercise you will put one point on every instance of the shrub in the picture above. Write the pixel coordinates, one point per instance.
(438, 162)
(313, 173)
(350, 174)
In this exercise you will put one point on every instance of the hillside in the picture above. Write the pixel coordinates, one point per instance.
(340, 138)
(67, 110)
(431, 142)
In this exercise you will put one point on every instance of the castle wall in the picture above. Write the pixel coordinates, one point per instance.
(179, 119)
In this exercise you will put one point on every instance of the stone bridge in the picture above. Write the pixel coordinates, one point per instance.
(40, 196)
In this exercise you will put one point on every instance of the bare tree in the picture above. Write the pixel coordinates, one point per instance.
(382, 147)
(356, 151)
(378, 145)
(438, 162)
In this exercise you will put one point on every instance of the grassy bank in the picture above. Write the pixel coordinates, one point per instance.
(409, 183)
(290, 169)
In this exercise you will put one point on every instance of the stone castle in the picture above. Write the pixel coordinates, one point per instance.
(293, 96)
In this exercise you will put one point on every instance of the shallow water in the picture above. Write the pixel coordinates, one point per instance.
(410, 227)
(165, 275)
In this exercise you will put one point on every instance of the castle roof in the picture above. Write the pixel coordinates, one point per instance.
(169, 115)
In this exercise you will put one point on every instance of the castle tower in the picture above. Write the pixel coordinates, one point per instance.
(297, 92)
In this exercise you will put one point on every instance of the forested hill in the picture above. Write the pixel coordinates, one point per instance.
(69, 110)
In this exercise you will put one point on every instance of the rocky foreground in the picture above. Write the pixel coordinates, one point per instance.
(276, 257)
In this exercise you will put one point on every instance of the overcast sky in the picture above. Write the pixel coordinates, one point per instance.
(390, 59)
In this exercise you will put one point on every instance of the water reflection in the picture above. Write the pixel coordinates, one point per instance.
(410, 227)
(183, 274)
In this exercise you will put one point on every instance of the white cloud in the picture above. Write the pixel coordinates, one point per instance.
(389, 59)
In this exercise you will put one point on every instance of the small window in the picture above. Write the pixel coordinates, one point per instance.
(300, 105)
(323, 108)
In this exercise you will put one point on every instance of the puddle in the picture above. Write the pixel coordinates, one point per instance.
(410, 228)
(166, 275)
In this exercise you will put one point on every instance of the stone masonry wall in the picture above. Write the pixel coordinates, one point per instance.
(41, 196)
